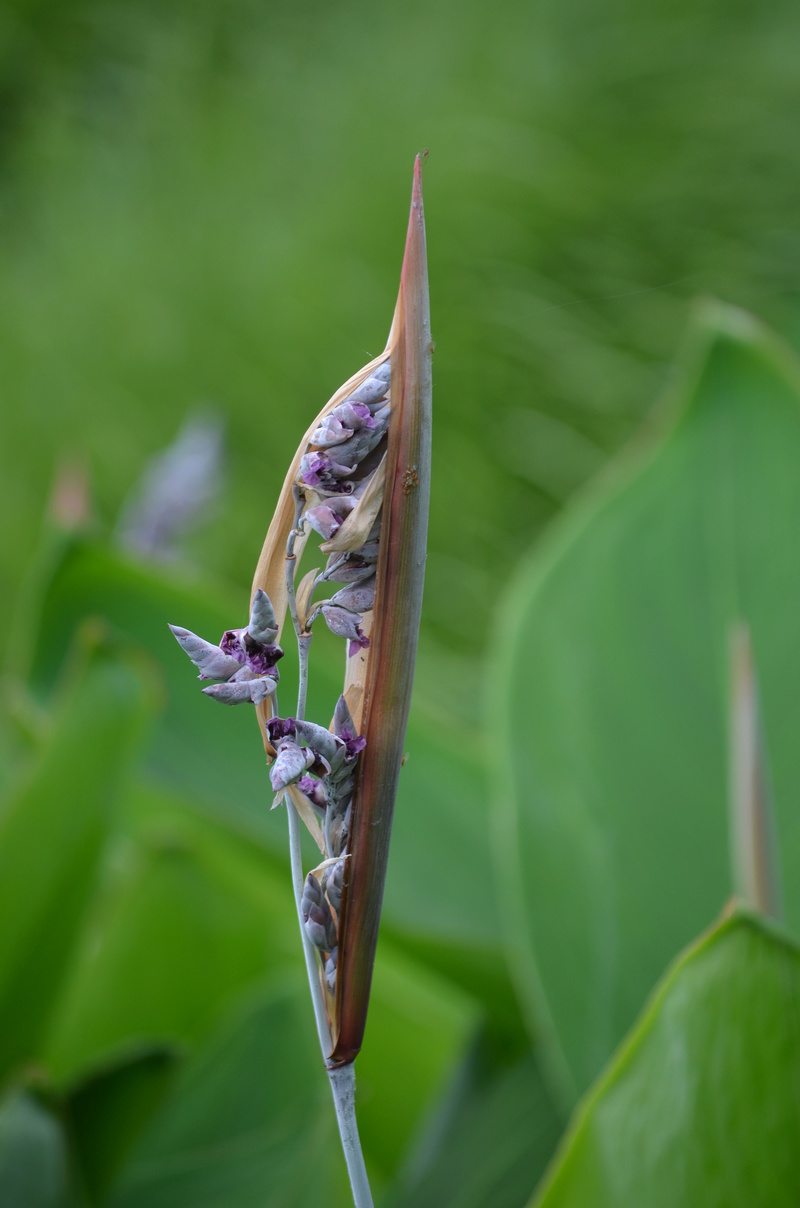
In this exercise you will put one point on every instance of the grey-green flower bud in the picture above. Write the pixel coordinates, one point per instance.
(263, 626)
(210, 661)
(330, 969)
(290, 764)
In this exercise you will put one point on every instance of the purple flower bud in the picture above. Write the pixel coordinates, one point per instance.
(342, 718)
(358, 597)
(374, 389)
(320, 470)
(341, 621)
(331, 431)
(324, 520)
(262, 627)
(238, 691)
(317, 917)
(290, 764)
(211, 661)
(314, 790)
(330, 970)
(364, 441)
(334, 879)
(354, 416)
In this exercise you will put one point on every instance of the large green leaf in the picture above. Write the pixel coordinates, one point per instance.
(110, 1107)
(701, 1105)
(34, 1166)
(610, 702)
(52, 831)
(251, 1122)
(191, 916)
(490, 1139)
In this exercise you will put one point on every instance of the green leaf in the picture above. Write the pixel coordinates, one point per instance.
(52, 831)
(33, 1155)
(191, 917)
(489, 1141)
(610, 703)
(701, 1105)
(251, 1122)
(109, 1109)
(418, 1027)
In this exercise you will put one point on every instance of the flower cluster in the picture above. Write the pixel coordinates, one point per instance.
(340, 485)
(244, 662)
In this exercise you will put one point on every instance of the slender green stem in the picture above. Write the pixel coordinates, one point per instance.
(312, 965)
(342, 1079)
(343, 1085)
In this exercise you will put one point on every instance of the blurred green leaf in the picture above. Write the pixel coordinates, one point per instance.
(490, 1139)
(53, 827)
(109, 1109)
(418, 1027)
(251, 1122)
(191, 917)
(610, 702)
(33, 1155)
(701, 1105)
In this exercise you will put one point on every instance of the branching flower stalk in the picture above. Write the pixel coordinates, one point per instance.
(360, 481)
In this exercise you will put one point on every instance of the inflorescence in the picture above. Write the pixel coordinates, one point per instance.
(338, 494)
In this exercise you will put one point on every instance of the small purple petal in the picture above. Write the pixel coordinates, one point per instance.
(354, 416)
(323, 520)
(358, 643)
(331, 431)
(279, 728)
(353, 742)
(232, 644)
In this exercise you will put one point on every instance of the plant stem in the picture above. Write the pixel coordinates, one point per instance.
(342, 1078)
(343, 1085)
(312, 966)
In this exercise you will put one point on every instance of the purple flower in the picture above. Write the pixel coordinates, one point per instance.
(314, 790)
(232, 644)
(262, 659)
(341, 621)
(353, 742)
(290, 764)
(359, 642)
(279, 728)
(331, 431)
(354, 416)
(319, 470)
(323, 520)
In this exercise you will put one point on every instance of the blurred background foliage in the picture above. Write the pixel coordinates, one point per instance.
(204, 206)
